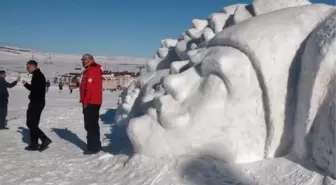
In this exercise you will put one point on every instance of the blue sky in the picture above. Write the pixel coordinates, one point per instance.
(101, 27)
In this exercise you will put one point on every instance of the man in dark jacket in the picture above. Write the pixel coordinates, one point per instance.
(91, 95)
(35, 107)
(4, 97)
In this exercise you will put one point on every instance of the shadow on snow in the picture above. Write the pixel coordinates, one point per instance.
(25, 134)
(71, 137)
(119, 142)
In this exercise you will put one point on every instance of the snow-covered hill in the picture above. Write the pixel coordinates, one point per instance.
(14, 59)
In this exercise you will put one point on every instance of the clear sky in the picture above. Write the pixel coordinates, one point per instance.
(101, 27)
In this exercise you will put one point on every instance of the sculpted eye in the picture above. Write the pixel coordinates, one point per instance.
(184, 68)
(208, 66)
(211, 63)
(198, 69)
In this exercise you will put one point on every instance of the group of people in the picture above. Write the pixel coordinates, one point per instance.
(91, 96)
(72, 86)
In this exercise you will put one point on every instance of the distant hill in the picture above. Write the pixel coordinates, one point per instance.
(29, 53)
(13, 59)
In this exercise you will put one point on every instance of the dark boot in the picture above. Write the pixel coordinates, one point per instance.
(45, 144)
(32, 148)
(91, 152)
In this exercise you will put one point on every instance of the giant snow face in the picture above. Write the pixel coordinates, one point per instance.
(234, 98)
(206, 110)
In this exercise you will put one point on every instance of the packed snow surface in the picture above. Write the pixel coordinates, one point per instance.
(64, 164)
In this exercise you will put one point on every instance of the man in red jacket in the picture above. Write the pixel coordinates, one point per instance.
(91, 95)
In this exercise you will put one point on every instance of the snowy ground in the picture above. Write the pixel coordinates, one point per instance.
(64, 164)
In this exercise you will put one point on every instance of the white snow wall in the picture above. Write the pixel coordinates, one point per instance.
(273, 43)
(315, 132)
(272, 52)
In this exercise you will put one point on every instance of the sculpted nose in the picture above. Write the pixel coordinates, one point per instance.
(181, 85)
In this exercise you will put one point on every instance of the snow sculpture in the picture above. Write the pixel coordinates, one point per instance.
(265, 6)
(281, 50)
(230, 10)
(235, 78)
(199, 24)
(208, 34)
(168, 43)
(235, 95)
(173, 117)
(316, 108)
(241, 14)
(175, 67)
(194, 33)
(217, 21)
(162, 52)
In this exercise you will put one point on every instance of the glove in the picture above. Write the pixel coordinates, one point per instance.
(83, 110)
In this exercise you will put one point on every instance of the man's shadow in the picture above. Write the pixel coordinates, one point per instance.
(25, 134)
(119, 143)
(71, 137)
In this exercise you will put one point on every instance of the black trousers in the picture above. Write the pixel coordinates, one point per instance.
(3, 112)
(33, 120)
(91, 124)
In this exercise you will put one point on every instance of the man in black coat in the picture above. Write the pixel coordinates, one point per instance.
(4, 97)
(36, 105)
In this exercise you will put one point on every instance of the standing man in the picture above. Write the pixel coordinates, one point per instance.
(60, 86)
(91, 98)
(4, 98)
(47, 85)
(35, 107)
